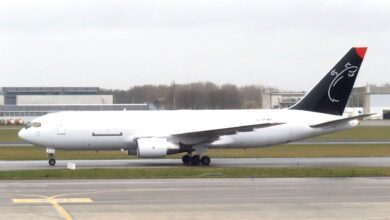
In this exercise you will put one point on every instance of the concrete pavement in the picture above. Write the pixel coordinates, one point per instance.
(275, 198)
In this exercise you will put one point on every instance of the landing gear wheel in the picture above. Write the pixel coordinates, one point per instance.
(186, 159)
(52, 162)
(205, 160)
(195, 160)
(50, 153)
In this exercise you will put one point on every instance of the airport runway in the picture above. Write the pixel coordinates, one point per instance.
(277, 198)
(216, 162)
(15, 144)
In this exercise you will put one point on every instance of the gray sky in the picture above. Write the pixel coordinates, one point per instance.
(116, 44)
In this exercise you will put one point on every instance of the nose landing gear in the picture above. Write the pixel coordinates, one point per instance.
(52, 162)
(50, 153)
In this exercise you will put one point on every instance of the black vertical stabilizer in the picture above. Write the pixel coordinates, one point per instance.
(331, 94)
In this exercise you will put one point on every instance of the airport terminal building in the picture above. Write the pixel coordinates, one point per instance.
(22, 104)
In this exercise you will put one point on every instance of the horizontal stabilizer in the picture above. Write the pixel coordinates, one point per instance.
(340, 121)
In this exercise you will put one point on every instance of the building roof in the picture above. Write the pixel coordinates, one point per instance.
(76, 107)
(377, 90)
(288, 93)
(50, 90)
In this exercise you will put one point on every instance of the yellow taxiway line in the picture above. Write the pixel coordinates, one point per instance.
(55, 202)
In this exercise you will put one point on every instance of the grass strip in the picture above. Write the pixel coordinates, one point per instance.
(365, 133)
(283, 151)
(370, 133)
(9, 135)
(191, 172)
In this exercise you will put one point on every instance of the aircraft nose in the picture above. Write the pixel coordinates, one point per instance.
(26, 135)
(22, 134)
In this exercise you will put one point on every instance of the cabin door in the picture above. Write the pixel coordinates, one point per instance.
(61, 130)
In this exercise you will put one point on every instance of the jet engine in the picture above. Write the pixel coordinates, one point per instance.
(155, 147)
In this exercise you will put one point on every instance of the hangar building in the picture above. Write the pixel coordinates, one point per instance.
(373, 99)
(22, 104)
(366, 99)
(52, 96)
(275, 100)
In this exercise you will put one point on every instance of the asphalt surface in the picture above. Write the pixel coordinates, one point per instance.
(216, 162)
(277, 198)
(15, 144)
(375, 123)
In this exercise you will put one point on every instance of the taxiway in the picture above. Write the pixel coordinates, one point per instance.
(275, 198)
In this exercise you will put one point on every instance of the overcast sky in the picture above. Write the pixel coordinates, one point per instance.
(116, 44)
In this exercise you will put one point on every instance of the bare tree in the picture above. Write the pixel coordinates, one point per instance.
(200, 95)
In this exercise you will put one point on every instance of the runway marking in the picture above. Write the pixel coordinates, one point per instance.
(54, 200)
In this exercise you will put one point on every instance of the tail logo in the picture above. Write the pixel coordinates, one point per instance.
(348, 71)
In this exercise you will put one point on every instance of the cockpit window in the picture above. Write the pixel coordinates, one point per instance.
(36, 124)
(28, 125)
(33, 124)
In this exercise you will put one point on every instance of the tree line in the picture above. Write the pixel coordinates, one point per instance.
(200, 95)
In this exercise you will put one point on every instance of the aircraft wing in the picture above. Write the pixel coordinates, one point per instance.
(206, 136)
(340, 121)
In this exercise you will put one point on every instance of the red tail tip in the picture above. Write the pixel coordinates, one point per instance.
(361, 51)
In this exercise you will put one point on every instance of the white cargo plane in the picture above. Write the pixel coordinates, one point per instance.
(152, 134)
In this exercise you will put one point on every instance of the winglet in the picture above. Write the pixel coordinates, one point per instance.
(361, 51)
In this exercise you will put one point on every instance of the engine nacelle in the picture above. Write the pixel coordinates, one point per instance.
(154, 147)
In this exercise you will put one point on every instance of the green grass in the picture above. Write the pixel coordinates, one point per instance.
(284, 151)
(359, 133)
(9, 135)
(379, 133)
(307, 151)
(37, 153)
(11, 126)
(200, 172)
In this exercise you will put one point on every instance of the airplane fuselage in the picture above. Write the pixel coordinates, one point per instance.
(120, 130)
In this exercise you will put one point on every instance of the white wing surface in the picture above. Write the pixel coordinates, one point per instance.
(207, 136)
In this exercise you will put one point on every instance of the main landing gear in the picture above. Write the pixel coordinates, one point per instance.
(196, 160)
(50, 153)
